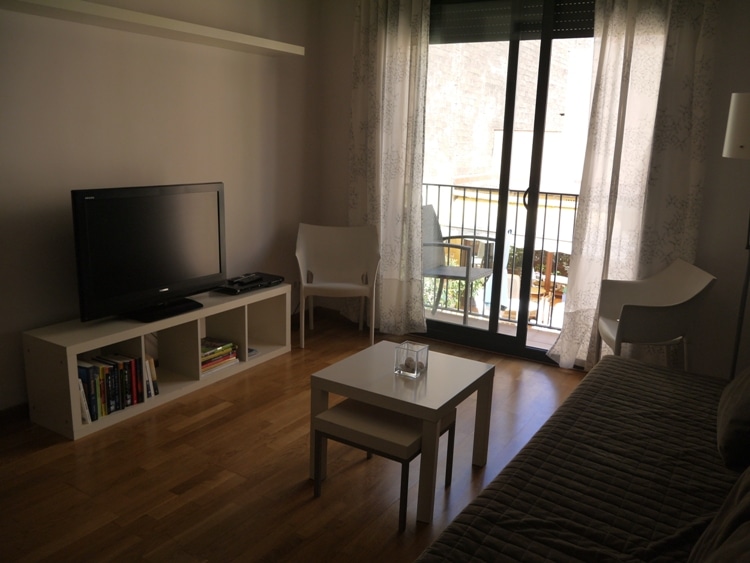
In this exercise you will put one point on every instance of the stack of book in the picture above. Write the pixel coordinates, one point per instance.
(217, 353)
(111, 382)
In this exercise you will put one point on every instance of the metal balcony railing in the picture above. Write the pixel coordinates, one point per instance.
(468, 215)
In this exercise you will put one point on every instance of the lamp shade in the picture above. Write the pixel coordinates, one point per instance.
(737, 139)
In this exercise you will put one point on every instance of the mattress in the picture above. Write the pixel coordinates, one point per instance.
(627, 469)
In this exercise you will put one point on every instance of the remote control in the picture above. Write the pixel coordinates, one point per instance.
(245, 279)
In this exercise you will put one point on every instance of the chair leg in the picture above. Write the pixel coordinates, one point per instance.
(404, 493)
(449, 455)
(437, 298)
(301, 320)
(467, 300)
(361, 313)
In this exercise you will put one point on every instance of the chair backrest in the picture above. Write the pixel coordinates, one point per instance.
(665, 304)
(510, 292)
(338, 254)
(677, 283)
(432, 256)
(515, 286)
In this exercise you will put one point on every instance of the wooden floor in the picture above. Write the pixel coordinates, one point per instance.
(222, 474)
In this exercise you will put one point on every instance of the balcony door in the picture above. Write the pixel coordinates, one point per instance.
(505, 129)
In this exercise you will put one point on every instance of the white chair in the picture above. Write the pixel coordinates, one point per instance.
(509, 310)
(656, 310)
(377, 430)
(435, 260)
(337, 262)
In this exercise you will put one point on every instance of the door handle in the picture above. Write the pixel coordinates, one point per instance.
(526, 198)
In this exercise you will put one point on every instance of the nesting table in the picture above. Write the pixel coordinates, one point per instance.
(368, 376)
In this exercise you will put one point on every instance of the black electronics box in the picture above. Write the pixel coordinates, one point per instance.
(249, 282)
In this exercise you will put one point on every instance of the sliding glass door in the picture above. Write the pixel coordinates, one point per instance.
(506, 119)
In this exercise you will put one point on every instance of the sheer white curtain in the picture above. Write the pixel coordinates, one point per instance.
(390, 77)
(640, 199)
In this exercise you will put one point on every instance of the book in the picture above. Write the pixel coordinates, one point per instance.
(220, 365)
(219, 359)
(119, 380)
(152, 374)
(100, 393)
(88, 374)
(140, 392)
(218, 354)
(113, 391)
(130, 365)
(147, 380)
(211, 347)
(107, 401)
(85, 413)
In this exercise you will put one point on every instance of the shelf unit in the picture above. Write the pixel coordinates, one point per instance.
(259, 319)
(138, 22)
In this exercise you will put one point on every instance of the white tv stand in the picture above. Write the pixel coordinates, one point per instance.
(259, 319)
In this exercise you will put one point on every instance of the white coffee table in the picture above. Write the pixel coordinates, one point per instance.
(368, 376)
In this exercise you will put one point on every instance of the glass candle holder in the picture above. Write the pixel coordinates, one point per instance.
(411, 359)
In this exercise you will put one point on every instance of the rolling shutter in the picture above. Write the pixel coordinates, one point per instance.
(471, 21)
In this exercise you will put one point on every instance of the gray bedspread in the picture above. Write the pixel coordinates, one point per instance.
(627, 469)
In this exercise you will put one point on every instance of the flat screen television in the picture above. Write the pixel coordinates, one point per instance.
(142, 251)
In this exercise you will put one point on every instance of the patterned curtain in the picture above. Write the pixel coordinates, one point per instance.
(387, 137)
(643, 174)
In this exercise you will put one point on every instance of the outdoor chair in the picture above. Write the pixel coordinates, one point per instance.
(509, 308)
(436, 261)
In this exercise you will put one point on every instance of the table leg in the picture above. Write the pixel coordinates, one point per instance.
(482, 421)
(318, 403)
(428, 471)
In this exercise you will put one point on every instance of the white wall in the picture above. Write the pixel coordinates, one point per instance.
(334, 87)
(726, 203)
(83, 106)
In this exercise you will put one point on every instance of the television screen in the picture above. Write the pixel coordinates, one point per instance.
(141, 251)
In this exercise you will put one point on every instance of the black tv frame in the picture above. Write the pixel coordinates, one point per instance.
(152, 301)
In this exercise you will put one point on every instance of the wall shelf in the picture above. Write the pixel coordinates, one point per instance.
(138, 22)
